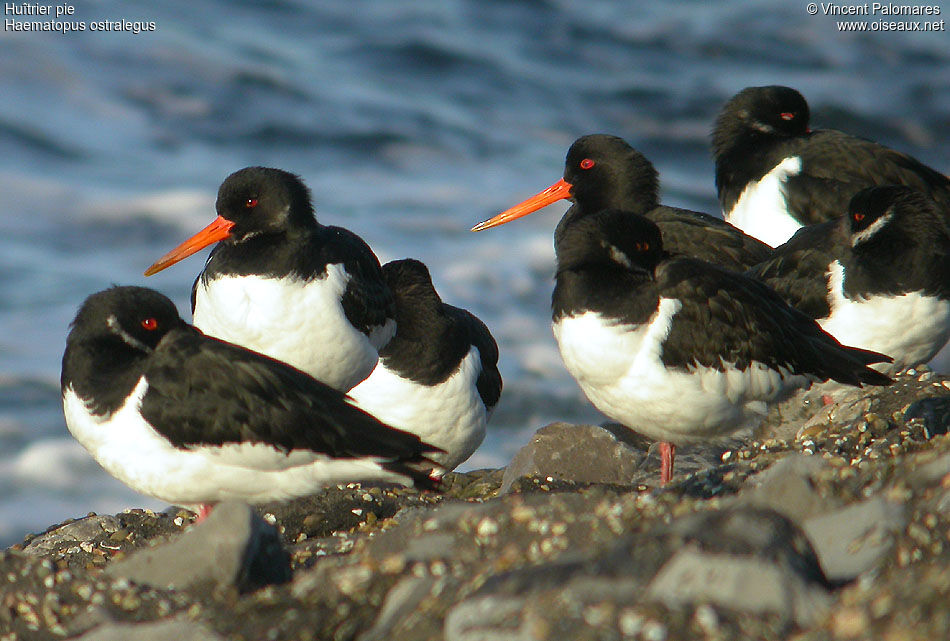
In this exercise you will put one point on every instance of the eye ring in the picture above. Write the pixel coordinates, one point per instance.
(858, 217)
(787, 115)
(149, 324)
(251, 203)
(587, 163)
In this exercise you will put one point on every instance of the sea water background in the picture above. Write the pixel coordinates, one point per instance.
(410, 121)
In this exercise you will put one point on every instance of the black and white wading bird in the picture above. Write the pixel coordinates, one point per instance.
(603, 172)
(438, 377)
(877, 278)
(678, 349)
(193, 420)
(282, 284)
(775, 175)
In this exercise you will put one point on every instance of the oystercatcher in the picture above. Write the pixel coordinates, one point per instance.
(282, 284)
(676, 348)
(438, 377)
(775, 175)
(193, 420)
(877, 278)
(603, 171)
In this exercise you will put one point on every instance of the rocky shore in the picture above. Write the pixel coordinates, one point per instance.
(831, 522)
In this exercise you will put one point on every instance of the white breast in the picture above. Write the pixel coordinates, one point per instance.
(911, 328)
(761, 210)
(449, 415)
(296, 321)
(133, 452)
(619, 368)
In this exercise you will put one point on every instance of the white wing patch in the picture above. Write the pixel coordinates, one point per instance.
(299, 322)
(449, 415)
(619, 368)
(911, 328)
(133, 452)
(761, 210)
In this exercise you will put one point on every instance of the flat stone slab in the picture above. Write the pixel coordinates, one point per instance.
(581, 453)
(233, 546)
(740, 583)
(853, 539)
(787, 488)
(175, 630)
(82, 530)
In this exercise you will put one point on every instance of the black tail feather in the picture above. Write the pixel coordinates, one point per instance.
(861, 373)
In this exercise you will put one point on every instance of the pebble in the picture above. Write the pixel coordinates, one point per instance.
(562, 556)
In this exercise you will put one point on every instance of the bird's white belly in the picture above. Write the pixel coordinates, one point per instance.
(133, 452)
(619, 368)
(911, 328)
(449, 415)
(761, 210)
(299, 322)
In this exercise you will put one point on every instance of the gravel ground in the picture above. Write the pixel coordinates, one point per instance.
(830, 522)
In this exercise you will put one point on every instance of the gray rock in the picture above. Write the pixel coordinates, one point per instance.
(581, 453)
(929, 473)
(233, 546)
(740, 583)
(841, 412)
(934, 412)
(754, 532)
(174, 630)
(400, 601)
(786, 418)
(488, 618)
(84, 529)
(787, 487)
(430, 546)
(853, 539)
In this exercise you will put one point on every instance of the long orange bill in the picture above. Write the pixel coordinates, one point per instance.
(219, 229)
(558, 191)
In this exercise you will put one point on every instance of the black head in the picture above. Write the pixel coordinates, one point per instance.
(600, 172)
(418, 306)
(135, 317)
(772, 111)
(262, 200)
(605, 172)
(409, 278)
(111, 338)
(893, 215)
(428, 345)
(251, 201)
(611, 237)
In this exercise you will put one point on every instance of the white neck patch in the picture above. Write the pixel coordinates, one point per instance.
(873, 228)
(616, 255)
(113, 324)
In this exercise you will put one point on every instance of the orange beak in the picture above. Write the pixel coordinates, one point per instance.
(558, 191)
(219, 229)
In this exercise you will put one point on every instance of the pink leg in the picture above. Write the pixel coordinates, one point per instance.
(203, 511)
(435, 477)
(667, 453)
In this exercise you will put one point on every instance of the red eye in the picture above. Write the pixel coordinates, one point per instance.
(150, 324)
(587, 163)
(642, 247)
(787, 115)
(858, 217)
(251, 202)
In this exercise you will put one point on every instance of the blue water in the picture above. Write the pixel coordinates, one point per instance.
(410, 121)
